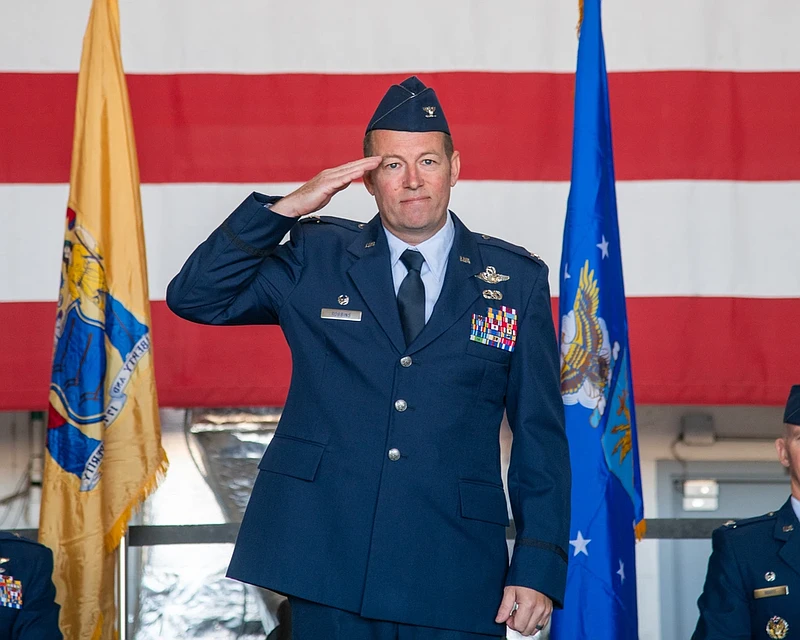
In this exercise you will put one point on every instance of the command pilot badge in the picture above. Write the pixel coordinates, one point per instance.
(777, 627)
(10, 592)
(491, 276)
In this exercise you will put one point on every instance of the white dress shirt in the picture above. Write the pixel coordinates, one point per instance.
(435, 250)
(796, 507)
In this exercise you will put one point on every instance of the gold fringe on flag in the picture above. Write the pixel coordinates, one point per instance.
(640, 529)
(120, 527)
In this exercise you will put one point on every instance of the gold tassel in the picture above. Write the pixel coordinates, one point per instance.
(640, 529)
(580, 17)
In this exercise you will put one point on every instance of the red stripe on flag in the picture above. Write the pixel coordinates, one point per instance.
(509, 126)
(683, 350)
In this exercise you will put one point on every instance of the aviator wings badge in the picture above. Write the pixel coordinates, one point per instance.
(491, 276)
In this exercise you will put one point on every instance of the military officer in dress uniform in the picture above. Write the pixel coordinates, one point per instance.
(379, 506)
(28, 609)
(752, 586)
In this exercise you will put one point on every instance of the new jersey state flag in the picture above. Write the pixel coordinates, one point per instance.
(596, 386)
(104, 451)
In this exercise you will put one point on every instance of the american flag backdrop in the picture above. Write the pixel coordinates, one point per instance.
(228, 97)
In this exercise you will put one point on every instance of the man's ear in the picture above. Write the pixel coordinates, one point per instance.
(455, 168)
(783, 454)
(368, 183)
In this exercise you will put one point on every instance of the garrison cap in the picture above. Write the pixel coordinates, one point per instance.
(409, 106)
(792, 413)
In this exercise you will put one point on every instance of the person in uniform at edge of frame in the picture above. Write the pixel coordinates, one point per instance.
(28, 608)
(752, 587)
(379, 507)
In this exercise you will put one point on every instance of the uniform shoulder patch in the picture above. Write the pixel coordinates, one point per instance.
(10, 536)
(344, 223)
(736, 524)
(484, 239)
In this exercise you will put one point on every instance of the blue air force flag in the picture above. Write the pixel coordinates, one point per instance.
(607, 510)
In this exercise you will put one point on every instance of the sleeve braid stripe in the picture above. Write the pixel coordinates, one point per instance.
(540, 544)
(247, 248)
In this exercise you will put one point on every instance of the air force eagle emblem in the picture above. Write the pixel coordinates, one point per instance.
(587, 355)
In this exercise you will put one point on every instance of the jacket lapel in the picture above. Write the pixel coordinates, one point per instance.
(787, 528)
(460, 289)
(372, 275)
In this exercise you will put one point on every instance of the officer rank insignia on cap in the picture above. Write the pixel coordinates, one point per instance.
(10, 592)
(498, 328)
(777, 628)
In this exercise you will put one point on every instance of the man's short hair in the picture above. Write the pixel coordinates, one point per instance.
(448, 145)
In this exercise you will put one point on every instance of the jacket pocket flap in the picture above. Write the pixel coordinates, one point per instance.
(484, 502)
(488, 352)
(292, 457)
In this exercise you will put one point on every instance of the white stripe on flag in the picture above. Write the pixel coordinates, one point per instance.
(362, 36)
(679, 238)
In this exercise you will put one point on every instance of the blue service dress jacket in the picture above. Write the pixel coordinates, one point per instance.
(381, 491)
(752, 587)
(28, 609)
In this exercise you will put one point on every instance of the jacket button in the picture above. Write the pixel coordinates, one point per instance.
(394, 455)
(401, 405)
(406, 361)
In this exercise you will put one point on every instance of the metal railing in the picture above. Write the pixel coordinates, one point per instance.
(152, 535)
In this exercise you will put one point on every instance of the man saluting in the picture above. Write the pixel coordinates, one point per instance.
(379, 507)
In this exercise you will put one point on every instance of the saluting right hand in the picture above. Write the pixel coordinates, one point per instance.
(318, 191)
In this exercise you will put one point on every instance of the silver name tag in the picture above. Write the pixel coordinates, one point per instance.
(340, 314)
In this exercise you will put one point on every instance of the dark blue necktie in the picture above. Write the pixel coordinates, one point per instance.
(411, 296)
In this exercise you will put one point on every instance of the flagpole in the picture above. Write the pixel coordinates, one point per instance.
(122, 589)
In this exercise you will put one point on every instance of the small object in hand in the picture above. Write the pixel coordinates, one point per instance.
(514, 608)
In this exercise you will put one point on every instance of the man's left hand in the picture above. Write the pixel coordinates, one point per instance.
(533, 612)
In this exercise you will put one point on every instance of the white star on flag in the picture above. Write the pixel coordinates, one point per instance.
(566, 273)
(580, 544)
(621, 572)
(603, 246)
